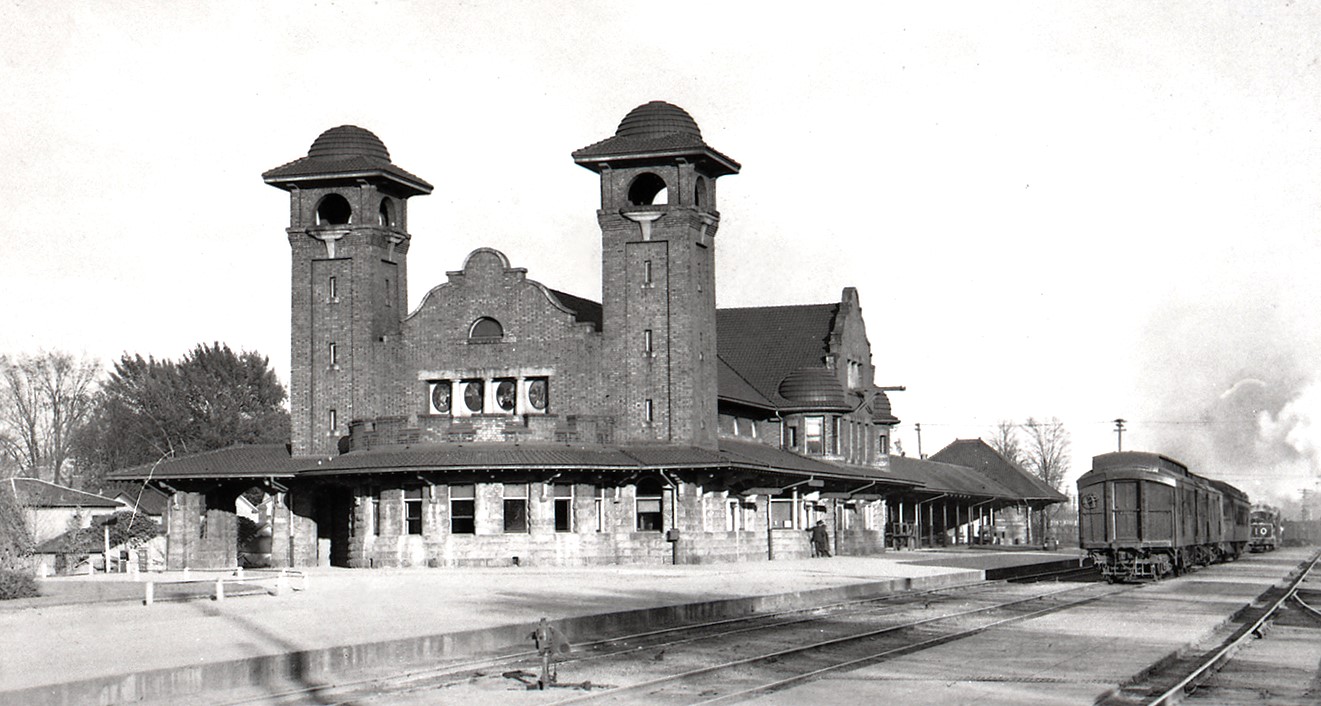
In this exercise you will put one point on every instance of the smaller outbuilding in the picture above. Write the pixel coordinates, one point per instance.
(50, 509)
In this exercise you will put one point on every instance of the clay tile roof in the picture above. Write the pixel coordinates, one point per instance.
(814, 388)
(148, 499)
(494, 456)
(33, 492)
(345, 151)
(584, 310)
(735, 388)
(938, 477)
(654, 129)
(242, 461)
(764, 345)
(881, 411)
(979, 456)
(755, 455)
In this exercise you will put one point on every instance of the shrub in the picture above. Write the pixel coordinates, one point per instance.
(16, 584)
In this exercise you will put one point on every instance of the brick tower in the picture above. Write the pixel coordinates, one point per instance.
(658, 223)
(348, 232)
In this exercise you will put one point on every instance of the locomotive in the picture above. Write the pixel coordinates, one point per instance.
(1145, 516)
(1266, 529)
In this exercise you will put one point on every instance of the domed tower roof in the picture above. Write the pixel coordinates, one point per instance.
(815, 389)
(658, 119)
(651, 132)
(349, 141)
(346, 152)
(882, 412)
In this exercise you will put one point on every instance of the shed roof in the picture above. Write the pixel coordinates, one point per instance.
(938, 477)
(239, 461)
(978, 455)
(36, 493)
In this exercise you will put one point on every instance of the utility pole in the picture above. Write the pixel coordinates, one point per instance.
(1119, 430)
(918, 429)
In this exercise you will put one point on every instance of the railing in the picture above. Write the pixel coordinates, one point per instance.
(282, 579)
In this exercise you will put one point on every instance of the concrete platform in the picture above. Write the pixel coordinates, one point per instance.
(91, 640)
(1077, 657)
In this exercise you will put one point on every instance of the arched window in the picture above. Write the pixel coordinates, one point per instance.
(649, 505)
(486, 329)
(386, 215)
(648, 189)
(334, 210)
(699, 192)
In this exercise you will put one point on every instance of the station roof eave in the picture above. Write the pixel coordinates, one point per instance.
(937, 478)
(37, 493)
(233, 462)
(496, 456)
(980, 456)
(477, 456)
(754, 456)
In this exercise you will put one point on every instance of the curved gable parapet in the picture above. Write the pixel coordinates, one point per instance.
(474, 258)
(488, 266)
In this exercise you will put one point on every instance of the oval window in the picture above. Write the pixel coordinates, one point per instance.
(473, 395)
(506, 394)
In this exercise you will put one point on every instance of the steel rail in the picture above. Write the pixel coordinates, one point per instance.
(659, 681)
(508, 658)
(1175, 693)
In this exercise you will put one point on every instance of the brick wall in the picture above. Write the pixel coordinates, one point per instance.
(540, 339)
(703, 535)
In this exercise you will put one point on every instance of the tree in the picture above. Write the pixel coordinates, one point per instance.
(212, 398)
(45, 400)
(1047, 455)
(1006, 442)
(15, 541)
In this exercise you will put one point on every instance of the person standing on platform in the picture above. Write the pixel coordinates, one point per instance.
(821, 539)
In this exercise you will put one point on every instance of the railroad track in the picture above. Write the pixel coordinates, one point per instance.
(725, 660)
(1182, 677)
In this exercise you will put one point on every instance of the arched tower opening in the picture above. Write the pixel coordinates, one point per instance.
(648, 189)
(385, 216)
(334, 210)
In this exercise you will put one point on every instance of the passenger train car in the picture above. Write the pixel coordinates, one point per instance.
(1266, 527)
(1145, 516)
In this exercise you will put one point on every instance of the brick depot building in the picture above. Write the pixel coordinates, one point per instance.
(506, 422)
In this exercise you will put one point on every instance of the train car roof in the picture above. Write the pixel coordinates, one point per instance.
(1141, 459)
(1157, 462)
(1228, 489)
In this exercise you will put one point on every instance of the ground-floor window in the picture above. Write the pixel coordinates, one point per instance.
(734, 520)
(782, 513)
(516, 507)
(599, 502)
(563, 508)
(649, 506)
(374, 505)
(413, 510)
(463, 510)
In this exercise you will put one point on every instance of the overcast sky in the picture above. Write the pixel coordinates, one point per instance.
(1073, 210)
